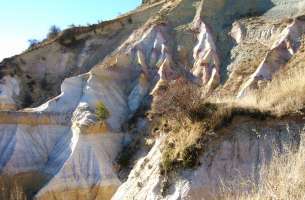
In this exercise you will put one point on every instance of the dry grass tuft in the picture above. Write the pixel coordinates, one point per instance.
(284, 179)
(11, 190)
(187, 141)
(285, 94)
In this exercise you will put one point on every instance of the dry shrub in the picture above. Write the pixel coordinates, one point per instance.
(184, 145)
(180, 111)
(283, 179)
(53, 32)
(173, 112)
(175, 100)
(11, 190)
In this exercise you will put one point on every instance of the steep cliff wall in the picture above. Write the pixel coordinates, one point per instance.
(49, 128)
(238, 155)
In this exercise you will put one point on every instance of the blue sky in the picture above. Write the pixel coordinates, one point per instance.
(21, 20)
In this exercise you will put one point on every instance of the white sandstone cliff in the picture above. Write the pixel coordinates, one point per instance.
(49, 131)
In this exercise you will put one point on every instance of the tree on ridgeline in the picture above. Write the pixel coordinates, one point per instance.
(53, 32)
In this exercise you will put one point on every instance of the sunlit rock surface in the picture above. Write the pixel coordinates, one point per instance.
(207, 64)
(49, 131)
(279, 54)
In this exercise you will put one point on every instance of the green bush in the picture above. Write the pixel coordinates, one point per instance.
(101, 111)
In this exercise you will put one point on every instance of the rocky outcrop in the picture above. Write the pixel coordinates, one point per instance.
(279, 54)
(40, 71)
(254, 38)
(49, 130)
(207, 62)
(79, 158)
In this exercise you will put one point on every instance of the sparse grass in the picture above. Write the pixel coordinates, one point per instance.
(101, 111)
(283, 95)
(284, 179)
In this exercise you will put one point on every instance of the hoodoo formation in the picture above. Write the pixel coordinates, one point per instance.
(178, 99)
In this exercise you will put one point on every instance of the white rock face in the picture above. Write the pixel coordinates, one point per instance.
(62, 140)
(67, 157)
(138, 93)
(89, 161)
(144, 180)
(237, 32)
(78, 158)
(67, 100)
(19, 153)
(207, 63)
(89, 166)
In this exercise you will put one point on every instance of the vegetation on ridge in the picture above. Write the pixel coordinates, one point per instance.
(53, 31)
(190, 122)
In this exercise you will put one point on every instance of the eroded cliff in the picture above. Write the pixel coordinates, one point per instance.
(50, 131)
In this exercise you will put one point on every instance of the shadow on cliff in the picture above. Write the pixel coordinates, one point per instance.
(221, 17)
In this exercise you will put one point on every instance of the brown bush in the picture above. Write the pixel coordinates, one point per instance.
(11, 190)
(176, 100)
(180, 110)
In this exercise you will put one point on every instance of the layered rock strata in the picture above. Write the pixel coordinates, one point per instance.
(49, 130)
